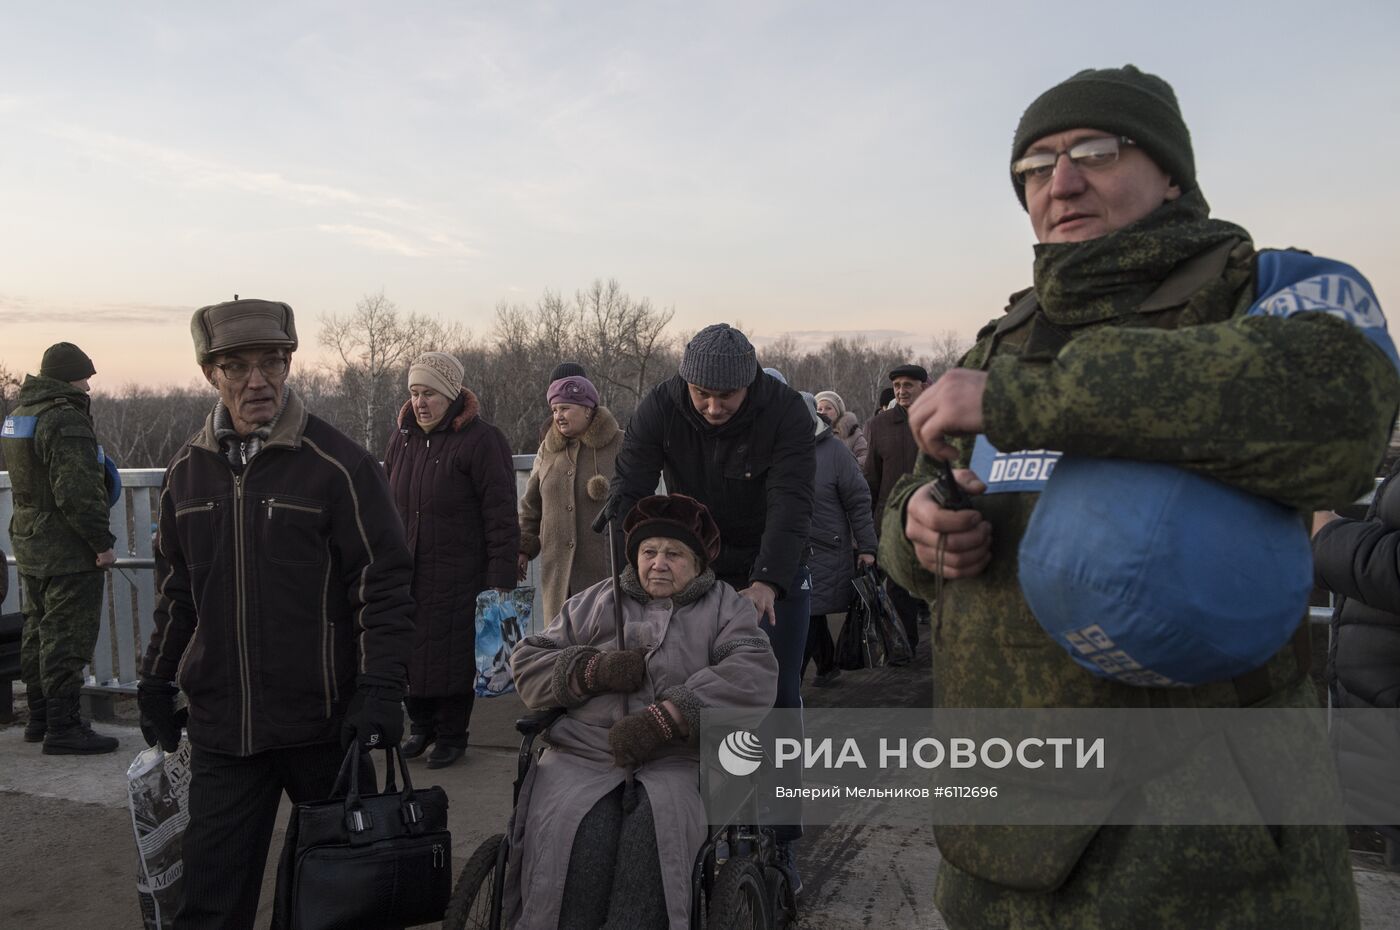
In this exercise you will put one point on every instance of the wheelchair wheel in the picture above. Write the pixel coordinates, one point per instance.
(782, 904)
(740, 899)
(476, 899)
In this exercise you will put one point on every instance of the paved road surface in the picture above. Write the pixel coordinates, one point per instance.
(69, 858)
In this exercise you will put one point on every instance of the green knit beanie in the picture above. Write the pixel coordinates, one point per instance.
(64, 361)
(1123, 101)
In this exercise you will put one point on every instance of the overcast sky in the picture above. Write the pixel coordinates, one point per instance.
(829, 167)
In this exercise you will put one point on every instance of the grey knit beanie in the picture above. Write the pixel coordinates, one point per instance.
(719, 357)
(835, 399)
(1124, 101)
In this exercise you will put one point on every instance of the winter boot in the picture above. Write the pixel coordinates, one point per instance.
(38, 723)
(69, 735)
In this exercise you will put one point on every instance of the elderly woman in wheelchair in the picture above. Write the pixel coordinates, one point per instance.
(609, 819)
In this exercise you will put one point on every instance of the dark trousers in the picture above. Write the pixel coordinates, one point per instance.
(789, 639)
(445, 719)
(907, 605)
(233, 808)
(614, 878)
(820, 646)
(62, 614)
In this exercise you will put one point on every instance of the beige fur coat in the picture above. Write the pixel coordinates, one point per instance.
(567, 488)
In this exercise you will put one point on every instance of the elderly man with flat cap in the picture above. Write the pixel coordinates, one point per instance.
(62, 544)
(283, 610)
(890, 455)
(1155, 333)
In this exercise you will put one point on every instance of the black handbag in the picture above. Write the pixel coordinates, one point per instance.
(853, 646)
(371, 862)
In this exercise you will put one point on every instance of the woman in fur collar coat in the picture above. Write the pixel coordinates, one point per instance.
(567, 488)
(453, 482)
(844, 424)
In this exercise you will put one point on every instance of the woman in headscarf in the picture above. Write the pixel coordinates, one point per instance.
(843, 423)
(453, 481)
(610, 818)
(567, 488)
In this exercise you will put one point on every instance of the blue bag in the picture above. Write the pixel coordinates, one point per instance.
(1155, 576)
(499, 621)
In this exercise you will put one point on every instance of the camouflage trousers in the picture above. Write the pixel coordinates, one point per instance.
(1208, 877)
(61, 618)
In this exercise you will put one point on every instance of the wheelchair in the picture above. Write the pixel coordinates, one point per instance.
(735, 883)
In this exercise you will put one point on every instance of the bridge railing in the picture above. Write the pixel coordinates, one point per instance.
(129, 597)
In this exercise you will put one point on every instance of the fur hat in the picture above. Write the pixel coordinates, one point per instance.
(673, 516)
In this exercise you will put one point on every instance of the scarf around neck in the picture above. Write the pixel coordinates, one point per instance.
(1108, 277)
(241, 449)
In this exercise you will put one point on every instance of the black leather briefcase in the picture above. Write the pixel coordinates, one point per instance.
(368, 862)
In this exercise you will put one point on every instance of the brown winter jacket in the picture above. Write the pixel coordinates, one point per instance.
(280, 586)
(455, 491)
(892, 455)
(567, 489)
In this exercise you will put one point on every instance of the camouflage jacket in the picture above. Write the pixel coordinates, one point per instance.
(1297, 409)
(60, 521)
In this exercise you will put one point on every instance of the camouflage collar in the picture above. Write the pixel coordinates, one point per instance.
(1111, 276)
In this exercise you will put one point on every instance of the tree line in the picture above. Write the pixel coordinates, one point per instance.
(627, 346)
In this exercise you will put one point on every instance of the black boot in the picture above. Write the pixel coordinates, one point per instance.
(416, 744)
(69, 736)
(447, 751)
(38, 723)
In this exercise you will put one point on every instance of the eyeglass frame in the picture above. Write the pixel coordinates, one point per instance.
(284, 361)
(1119, 141)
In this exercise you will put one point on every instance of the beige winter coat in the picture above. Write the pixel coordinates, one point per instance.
(705, 650)
(567, 488)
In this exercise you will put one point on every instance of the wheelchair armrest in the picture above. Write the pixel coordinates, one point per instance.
(540, 720)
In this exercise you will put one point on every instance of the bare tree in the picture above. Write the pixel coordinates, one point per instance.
(374, 343)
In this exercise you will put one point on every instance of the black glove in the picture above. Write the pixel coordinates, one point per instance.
(375, 718)
(160, 721)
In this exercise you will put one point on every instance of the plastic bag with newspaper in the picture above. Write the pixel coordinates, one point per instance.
(500, 620)
(158, 785)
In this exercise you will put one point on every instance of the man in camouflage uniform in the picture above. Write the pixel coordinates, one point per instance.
(62, 544)
(1152, 332)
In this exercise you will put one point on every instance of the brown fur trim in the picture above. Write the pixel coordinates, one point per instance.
(459, 422)
(601, 430)
(846, 425)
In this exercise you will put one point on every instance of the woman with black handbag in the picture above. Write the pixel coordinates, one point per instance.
(842, 536)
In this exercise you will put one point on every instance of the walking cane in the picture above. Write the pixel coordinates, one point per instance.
(629, 790)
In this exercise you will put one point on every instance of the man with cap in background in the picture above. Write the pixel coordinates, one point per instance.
(283, 610)
(739, 441)
(1152, 333)
(890, 456)
(62, 544)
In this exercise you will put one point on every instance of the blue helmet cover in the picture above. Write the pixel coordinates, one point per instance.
(1155, 576)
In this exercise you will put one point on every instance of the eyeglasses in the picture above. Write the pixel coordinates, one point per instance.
(1088, 155)
(274, 367)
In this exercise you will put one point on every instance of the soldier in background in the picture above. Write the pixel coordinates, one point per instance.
(62, 544)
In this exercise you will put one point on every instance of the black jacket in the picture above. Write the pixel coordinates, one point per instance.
(755, 473)
(1359, 560)
(280, 586)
